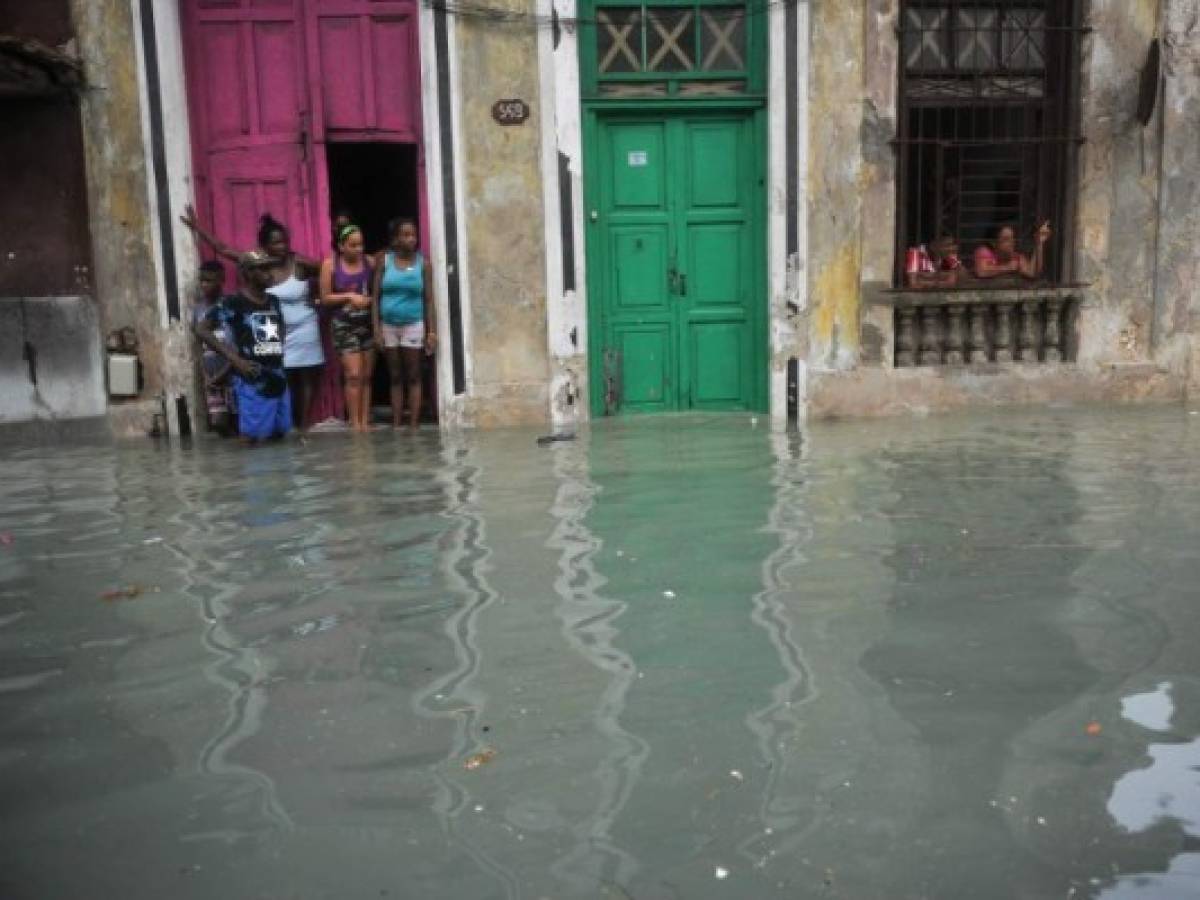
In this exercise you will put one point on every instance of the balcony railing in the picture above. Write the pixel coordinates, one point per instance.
(977, 328)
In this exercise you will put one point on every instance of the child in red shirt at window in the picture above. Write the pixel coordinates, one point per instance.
(939, 267)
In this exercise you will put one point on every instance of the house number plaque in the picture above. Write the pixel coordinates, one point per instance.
(510, 112)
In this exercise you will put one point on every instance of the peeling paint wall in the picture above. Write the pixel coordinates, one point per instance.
(562, 165)
(502, 192)
(837, 177)
(1118, 185)
(125, 279)
(1177, 286)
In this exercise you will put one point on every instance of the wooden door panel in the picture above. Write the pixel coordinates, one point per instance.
(276, 62)
(638, 170)
(719, 350)
(396, 87)
(367, 66)
(340, 40)
(640, 260)
(647, 353)
(712, 157)
(715, 266)
(224, 104)
(247, 183)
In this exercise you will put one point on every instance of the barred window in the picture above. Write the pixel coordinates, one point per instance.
(987, 128)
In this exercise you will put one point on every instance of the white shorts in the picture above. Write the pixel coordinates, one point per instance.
(410, 337)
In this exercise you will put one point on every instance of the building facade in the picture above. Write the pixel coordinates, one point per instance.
(639, 207)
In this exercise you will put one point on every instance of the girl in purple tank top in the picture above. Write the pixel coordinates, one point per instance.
(346, 287)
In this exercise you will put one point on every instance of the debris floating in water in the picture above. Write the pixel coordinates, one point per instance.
(153, 540)
(670, 595)
(124, 593)
(547, 439)
(6, 538)
(475, 760)
(1093, 728)
(736, 775)
(721, 873)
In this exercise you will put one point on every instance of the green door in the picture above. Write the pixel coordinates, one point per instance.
(675, 252)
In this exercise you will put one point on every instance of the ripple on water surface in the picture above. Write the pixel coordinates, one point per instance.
(678, 657)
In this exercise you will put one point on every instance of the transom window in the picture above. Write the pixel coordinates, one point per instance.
(682, 47)
(987, 125)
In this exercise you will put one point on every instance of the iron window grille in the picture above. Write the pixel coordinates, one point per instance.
(988, 124)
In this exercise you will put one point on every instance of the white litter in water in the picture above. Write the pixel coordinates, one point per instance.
(478, 807)
(670, 595)
(721, 873)
(153, 540)
(735, 774)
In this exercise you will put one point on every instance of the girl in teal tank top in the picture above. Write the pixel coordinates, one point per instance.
(402, 291)
(405, 327)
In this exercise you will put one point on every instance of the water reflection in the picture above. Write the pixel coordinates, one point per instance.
(457, 695)
(941, 659)
(589, 627)
(776, 724)
(681, 542)
(983, 574)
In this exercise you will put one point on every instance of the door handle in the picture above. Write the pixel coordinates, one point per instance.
(672, 281)
(682, 284)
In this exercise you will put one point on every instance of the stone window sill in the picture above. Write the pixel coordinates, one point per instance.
(973, 294)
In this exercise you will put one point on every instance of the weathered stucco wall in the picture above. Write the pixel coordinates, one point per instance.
(123, 264)
(1118, 193)
(505, 226)
(1177, 299)
(50, 359)
(837, 177)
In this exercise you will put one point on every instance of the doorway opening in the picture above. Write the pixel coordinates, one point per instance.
(374, 183)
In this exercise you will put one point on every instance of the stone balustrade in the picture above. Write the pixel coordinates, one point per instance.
(961, 328)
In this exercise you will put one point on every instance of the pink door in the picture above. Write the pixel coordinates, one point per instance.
(365, 78)
(251, 117)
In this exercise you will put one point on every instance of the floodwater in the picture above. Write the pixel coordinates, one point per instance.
(676, 658)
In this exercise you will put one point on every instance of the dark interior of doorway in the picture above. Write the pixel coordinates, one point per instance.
(374, 183)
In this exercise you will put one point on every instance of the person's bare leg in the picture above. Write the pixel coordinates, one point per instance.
(413, 361)
(352, 373)
(364, 395)
(396, 379)
(302, 383)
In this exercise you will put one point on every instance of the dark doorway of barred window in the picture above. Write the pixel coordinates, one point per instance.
(988, 123)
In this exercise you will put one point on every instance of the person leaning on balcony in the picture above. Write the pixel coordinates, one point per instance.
(1003, 258)
(939, 268)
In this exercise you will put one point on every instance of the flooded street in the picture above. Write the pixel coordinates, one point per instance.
(676, 658)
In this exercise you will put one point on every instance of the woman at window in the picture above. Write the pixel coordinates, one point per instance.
(1003, 259)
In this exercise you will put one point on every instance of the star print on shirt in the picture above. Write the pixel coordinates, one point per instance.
(266, 327)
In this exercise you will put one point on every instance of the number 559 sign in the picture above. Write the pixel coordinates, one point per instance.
(510, 112)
